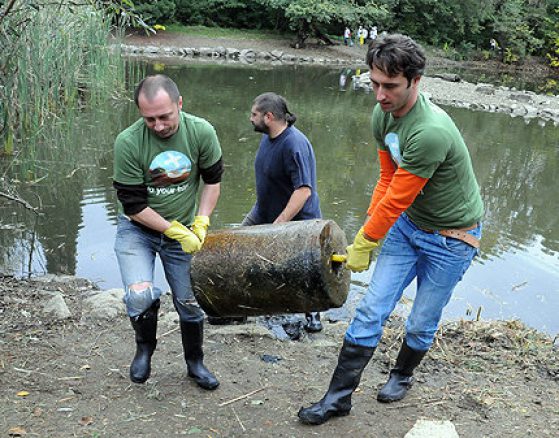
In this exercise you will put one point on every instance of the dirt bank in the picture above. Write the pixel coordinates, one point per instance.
(70, 377)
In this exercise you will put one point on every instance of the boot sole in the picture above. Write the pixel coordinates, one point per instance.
(142, 380)
(388, 400)
(323, 420)
(202, 385)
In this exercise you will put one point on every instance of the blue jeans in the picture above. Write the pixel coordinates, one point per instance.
(136, 248)
(438, 262)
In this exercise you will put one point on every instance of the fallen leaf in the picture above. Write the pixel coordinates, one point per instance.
(17, 431)
(86, 421)
(22, 394)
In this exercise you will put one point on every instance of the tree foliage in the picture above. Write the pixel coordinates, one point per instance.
(226, 13)
(316, 17)
(521, 27)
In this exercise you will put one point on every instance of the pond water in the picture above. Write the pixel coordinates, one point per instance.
(516, 276)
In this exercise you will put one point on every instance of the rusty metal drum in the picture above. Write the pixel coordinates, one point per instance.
(271, 269)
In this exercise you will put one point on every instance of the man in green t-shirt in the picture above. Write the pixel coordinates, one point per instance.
(428, 205)
(159, 162)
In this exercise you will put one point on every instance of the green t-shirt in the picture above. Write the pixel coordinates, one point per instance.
(427, 143)
(139, 154)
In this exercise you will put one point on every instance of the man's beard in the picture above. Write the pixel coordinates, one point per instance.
(261, 127)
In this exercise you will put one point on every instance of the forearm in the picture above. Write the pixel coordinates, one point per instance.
(151, 219)
(208, 199)
(294, 205)
(401, 193)
(387, 170)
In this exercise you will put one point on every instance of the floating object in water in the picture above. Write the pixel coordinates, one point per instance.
(269, 269)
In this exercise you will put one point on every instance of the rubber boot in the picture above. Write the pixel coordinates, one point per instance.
(337, 401)
(192, 340)
(401, 375)
(313, 322)
(145, 326)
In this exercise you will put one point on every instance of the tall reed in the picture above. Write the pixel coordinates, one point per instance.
(54, 60)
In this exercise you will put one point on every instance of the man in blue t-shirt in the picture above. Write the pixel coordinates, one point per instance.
(285, 170)
(285, 166)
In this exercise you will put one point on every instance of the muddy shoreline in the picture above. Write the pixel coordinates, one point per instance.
(66, 374)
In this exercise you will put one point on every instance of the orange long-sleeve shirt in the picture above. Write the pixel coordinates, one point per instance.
(395, 191)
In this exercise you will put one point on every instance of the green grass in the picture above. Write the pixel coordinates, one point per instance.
(220, 32)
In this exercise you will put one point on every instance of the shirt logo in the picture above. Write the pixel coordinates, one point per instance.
(393, 143)
(168, 169)
(175, 165)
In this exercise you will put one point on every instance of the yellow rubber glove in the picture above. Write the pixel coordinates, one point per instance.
(359, 253)
(200, 227)
(188, 240)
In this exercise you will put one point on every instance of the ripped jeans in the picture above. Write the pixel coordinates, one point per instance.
(136, 248)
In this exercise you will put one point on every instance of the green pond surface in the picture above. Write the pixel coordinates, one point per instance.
(516, 275)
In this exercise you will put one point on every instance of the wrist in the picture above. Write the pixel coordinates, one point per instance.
(369, 238)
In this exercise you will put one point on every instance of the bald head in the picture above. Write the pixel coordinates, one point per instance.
(151, 85)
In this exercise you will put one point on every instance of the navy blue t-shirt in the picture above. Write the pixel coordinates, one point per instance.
(282, 165)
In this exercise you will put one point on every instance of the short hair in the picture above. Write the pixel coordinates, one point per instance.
(150, 85)
(396, 53)
(275, 104)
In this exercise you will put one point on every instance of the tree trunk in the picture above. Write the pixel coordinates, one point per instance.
(302, 35)
(322, 36)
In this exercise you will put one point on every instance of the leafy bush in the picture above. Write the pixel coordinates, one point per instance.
(154, 12)
(225, 13)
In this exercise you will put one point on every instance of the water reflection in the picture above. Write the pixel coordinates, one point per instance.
(516, 276)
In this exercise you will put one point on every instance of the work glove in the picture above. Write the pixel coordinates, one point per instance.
(188, 240)
(359, 253)
(200, 227)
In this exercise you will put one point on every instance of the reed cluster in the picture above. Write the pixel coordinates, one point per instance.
(55, 59)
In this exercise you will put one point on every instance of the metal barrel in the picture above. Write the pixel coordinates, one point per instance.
(271, 269)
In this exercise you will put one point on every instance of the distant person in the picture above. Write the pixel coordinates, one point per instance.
(285, 171)
(160, 162)
(428, 208)
(373, 33)
(361, 36)
(493, 44)
(347, 35)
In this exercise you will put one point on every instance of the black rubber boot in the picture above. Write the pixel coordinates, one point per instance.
(192, 340)
(313, 322)
(337, 401)
(145, 326)
(401, 375)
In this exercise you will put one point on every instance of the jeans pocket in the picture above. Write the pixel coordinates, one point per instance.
(458, 247)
